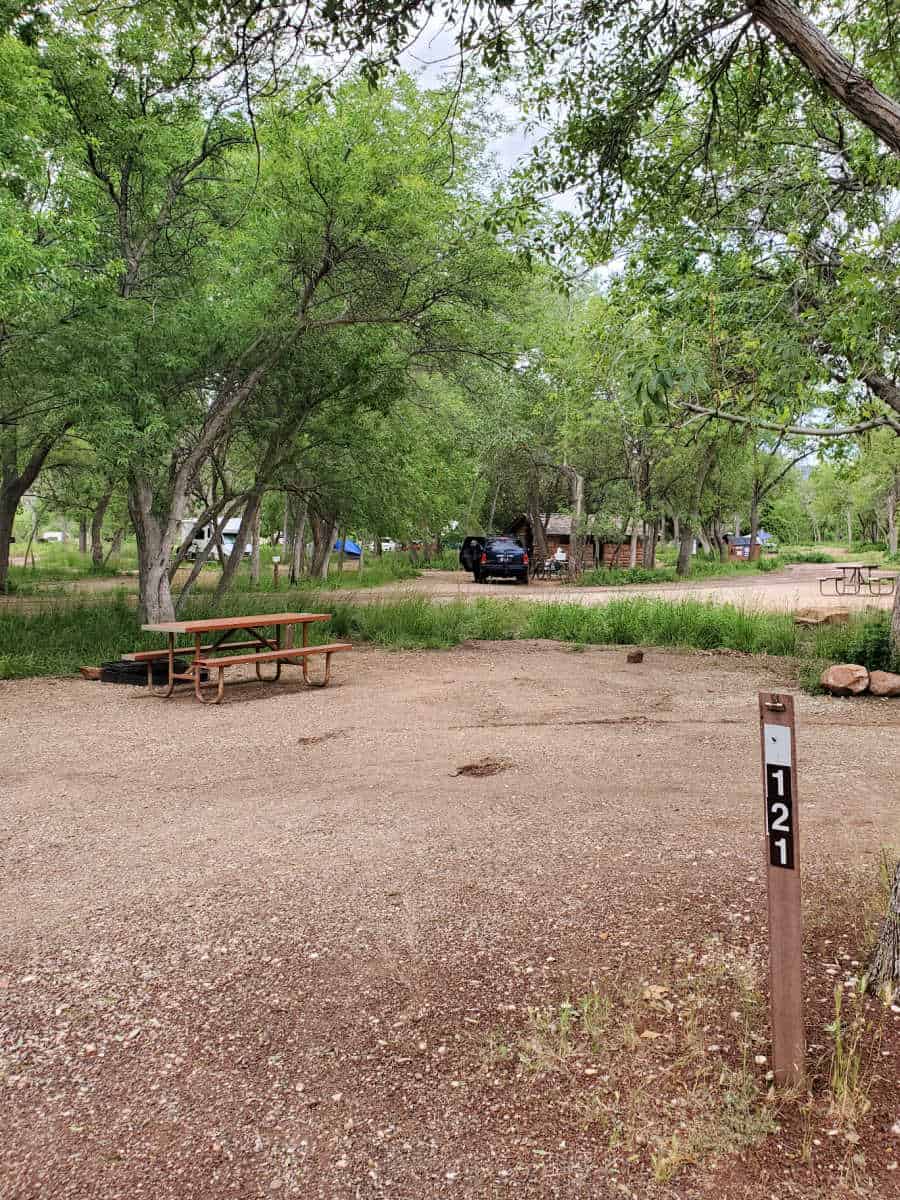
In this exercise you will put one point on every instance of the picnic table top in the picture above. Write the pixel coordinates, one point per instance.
(856, 566)
(214, 624)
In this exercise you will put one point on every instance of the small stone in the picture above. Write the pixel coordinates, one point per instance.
(884, 683)
(847, 679)
(635, 656)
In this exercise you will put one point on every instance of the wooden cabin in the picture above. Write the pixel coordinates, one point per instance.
(595, 551)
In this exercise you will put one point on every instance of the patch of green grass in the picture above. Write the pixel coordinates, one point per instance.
(60, 638)
(703, 566)
(656, 622)
(866, 641)
(623, 576)
(807, 556)
(389, 568)
(55, 562)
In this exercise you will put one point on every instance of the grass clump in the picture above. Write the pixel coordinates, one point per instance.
(655, 622)
(61, 637)
(854, 1049)
(620, 576)
(662, 1072)
(866, 641)
(703, 566)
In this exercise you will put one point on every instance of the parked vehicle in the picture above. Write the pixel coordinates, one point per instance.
(501, 558)
(52, 535)
(204, 535)
(470, 552)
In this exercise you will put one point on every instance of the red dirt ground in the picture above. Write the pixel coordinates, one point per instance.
(271, 949)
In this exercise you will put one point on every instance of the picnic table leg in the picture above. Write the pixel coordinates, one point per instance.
(220, 688)
(277, 675)
(170, 659)
(312, 682)
(197, 669)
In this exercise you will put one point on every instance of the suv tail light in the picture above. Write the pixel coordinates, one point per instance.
(525, 558)
(483, 557)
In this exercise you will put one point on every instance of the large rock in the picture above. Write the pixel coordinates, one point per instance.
(848, 679)
(884, 683)
(822, 616)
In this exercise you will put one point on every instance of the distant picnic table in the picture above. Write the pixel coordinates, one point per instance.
(276, 648)
(854, 577)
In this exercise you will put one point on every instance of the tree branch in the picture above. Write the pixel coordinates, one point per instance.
(799, 430)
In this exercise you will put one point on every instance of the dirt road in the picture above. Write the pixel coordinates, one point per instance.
(264, 949)
(781, 591)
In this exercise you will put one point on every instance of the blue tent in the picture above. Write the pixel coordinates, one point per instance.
(744, 540)
(352, 549)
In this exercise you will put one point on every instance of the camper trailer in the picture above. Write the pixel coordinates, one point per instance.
(204, 536)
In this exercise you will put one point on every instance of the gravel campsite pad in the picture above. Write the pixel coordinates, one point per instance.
(481, 923)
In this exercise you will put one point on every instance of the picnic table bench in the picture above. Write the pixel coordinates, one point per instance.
(856, 576)
(277, 649)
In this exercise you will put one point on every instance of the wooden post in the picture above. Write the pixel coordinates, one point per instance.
(782, 843)
(276, 560)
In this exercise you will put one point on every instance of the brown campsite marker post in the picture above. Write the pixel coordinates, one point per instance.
(779, 761)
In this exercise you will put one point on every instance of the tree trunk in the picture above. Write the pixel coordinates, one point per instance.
(14, 484)
(753, 550)
(29, 546)
(330, 531)
(343, 541)
(577, 555)
(737, 525)
(196, 567)
(849, 529)
(704, 540)
(490, 526)
(685, 548)
(155, 593)
(324, 532)
(538, 533)
(298, 549)
(892, 497)
(115, 545)
(232, 563)
(97, 529)
(378, 547)
(650, 545)
(884, 967)
(154, 590)
(676, 529)
(7, 516)
(632, 546)
(254, 553)
(854, 90)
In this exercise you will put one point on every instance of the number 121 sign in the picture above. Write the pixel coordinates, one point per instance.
(776, 713)
(779, 795)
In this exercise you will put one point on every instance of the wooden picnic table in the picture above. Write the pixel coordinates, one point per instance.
(856, 576)
(277, 648)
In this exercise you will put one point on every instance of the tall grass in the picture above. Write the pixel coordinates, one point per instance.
(388, 568)
(703, 566)
(59, 639)
(54, 562)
